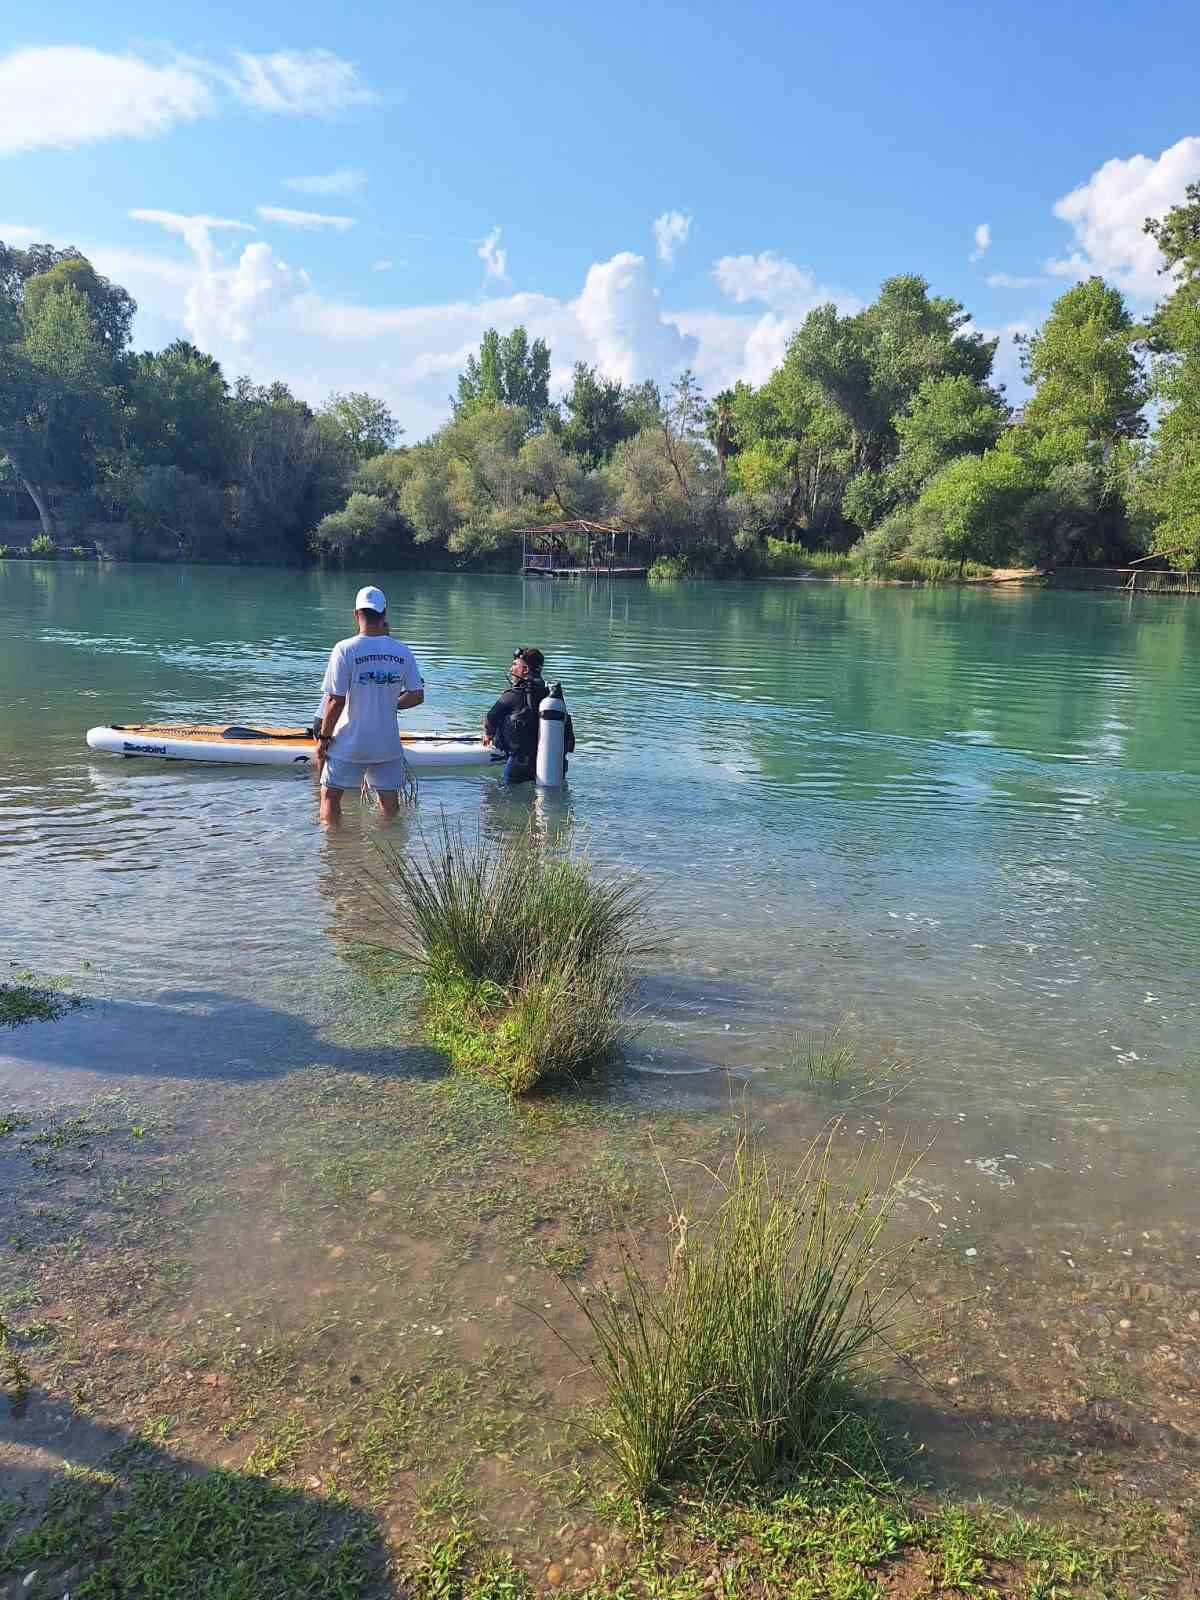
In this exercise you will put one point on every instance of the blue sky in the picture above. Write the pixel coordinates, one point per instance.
(402, 177)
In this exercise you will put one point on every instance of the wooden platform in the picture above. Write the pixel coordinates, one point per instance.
(536, 570)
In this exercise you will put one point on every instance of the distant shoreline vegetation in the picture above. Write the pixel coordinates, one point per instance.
(879, 444)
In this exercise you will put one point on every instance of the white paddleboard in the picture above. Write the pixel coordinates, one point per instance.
(275, 747)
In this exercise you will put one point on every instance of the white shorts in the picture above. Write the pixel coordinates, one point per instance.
(382, 775)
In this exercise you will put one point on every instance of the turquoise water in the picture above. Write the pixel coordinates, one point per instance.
(967, 822)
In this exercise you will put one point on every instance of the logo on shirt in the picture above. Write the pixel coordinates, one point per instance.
(381, 677)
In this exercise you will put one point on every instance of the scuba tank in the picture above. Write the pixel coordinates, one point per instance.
(552, 739)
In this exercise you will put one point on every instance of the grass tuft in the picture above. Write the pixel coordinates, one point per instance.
(736, 1359)
(525, 951)
(831, 1063)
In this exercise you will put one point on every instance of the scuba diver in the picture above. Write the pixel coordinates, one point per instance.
(512, 723)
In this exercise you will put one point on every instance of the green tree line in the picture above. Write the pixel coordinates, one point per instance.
(881, 433)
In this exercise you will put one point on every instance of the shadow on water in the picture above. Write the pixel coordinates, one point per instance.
(196, 1033)
(166, 1521)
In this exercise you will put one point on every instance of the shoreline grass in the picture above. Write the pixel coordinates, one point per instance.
(525, 953)
(736, 1360)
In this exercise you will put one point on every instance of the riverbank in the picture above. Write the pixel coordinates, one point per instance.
(335, 1307)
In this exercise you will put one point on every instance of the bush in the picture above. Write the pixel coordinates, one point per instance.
(6, 550)
(525, 954)
(737, 1359)
(42, 546)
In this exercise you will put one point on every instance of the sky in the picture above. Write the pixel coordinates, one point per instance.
(347, 197)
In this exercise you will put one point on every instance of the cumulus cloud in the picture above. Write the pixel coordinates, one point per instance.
(312, 220)
(621, 314)
(789, 293)
(1108, 212)
(1006, 280)
(20, 233)
(297, 82)
(346, 180)
(670, 233)
(223, 299)
(61, 96)
(383, 266)
(494, 258)
(983, 241)
(259, 315)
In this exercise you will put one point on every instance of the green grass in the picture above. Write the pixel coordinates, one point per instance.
(735, 1358)
(147, 1529)
(26, 1001)
(525, 951)
(831, 1063)
(782, 559)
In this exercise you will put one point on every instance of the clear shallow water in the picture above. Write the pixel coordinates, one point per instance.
(968, 821)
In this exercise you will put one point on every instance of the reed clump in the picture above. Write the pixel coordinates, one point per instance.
(526, 953)
(737, 1358)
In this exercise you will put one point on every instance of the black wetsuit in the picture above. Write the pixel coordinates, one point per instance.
(518, 738)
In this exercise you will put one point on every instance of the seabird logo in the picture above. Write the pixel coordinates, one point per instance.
(143, 749)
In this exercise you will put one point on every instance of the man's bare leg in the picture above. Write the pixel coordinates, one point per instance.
(389, 802)
(331, 804)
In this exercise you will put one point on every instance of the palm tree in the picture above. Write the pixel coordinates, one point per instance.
(718, 424)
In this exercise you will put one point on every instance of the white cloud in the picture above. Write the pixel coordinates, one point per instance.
(1107, 215)
(495, 259)
(20, 233)
(61, 96)
(193, 230)
(788, 291)
(383, 266)
(620, 312)
(346, 180)
(670, 233)
(313, 83)
(312, 220)
(68, 95)
(983, 241)
(1006, 280)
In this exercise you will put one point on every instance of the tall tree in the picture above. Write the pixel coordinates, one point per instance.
(178, 413)
(1084, 369)
(112, 308)
(508, 371)
(1170, 484)
(56, 395)
(366, 423)
(597, 414)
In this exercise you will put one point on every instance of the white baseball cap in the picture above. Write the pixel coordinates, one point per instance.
(370, 599)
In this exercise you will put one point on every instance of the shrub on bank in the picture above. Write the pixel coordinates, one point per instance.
(525, 953)
(736, 1359)
(42, 546)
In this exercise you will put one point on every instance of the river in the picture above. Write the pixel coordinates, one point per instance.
(962, 823)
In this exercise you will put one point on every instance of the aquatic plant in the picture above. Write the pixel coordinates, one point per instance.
(525, 952)
(831, 1063)
(736, 1357)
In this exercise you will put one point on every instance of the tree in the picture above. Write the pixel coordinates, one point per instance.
(360, 528)
(508, 371)
(366, 424)
(178, 413)
(56, 395)
(719, 425)
(1168, 490)
(112, 308)
(290, 469)
(1085, 370)
(598, 413)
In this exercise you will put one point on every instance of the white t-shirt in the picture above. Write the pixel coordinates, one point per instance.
(372, 671)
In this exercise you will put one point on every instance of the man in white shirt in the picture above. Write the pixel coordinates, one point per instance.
(368, 680)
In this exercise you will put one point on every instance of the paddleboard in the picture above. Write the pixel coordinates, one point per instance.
(274, 747)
